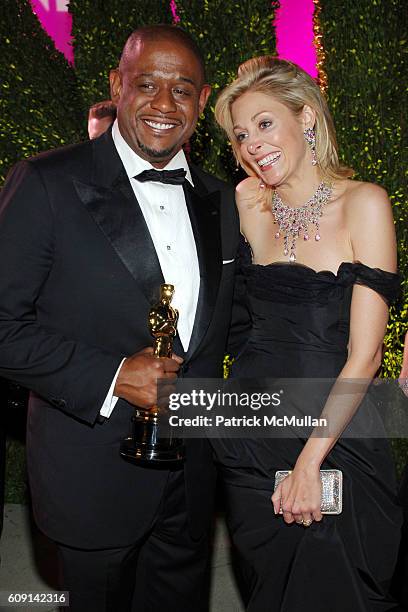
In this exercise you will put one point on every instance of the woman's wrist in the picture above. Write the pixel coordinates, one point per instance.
(308, 465)
(313, 455)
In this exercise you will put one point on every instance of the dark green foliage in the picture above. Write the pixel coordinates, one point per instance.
(16, 475)
(365, 44)
(100, 30)
(228, 33)
(38, 103)
(367, 70)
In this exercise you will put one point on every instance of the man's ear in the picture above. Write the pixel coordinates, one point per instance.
(308, 117)
(204, 95)
(115, 80)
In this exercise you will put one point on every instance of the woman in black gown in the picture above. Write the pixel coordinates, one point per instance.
(318, 267)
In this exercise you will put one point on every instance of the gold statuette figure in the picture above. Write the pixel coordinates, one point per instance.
(163, 323)
(151, 441)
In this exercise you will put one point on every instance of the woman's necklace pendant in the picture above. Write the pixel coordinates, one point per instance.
(293, 222)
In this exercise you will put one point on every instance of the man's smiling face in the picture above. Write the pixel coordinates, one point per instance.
(159, 93)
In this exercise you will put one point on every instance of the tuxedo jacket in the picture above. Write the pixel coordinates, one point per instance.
(78, 275)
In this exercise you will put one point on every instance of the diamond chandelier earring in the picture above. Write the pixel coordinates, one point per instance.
(310, 137)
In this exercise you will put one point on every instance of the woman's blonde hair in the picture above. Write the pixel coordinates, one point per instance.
(290, 85)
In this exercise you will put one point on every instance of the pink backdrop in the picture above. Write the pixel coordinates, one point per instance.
(294, 29)
(294, 33)
(57, 22)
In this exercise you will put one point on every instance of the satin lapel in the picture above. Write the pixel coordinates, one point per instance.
(111, 202)
(204, 211)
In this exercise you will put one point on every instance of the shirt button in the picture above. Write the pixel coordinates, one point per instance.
(161, 207)
(168, 247)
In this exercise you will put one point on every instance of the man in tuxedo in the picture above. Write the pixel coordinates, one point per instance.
(87, 235)
(3, 410)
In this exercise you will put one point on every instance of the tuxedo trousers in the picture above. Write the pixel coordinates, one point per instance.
(400, 582)
(164, 571)
(3, 412)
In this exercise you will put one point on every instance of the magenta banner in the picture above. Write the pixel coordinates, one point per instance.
(294, 33)
(57, 22)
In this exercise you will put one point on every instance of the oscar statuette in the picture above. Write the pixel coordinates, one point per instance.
(147, 444)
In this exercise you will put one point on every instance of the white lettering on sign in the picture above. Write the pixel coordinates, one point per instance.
(45, 4)
(60, 6)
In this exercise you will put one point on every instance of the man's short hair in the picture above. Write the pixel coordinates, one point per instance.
(163, 31)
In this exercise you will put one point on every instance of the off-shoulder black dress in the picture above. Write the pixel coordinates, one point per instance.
(300, 328)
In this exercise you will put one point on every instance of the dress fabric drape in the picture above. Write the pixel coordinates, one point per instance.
(300, 327)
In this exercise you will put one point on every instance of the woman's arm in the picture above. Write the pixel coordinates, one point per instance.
(372, 237)
(403, 377)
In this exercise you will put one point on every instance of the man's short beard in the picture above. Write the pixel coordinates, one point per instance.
(155, 153)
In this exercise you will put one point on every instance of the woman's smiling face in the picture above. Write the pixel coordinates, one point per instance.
(270, 136)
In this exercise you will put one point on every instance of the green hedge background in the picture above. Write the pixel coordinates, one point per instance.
(366, 63)
(44, 101)
(40, 106)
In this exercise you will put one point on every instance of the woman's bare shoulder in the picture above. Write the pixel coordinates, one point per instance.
(370, 224)
(362, 198)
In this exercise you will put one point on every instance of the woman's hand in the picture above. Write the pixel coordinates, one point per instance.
(299, 496)
(249, 191)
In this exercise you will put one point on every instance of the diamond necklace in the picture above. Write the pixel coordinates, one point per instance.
(293, 222)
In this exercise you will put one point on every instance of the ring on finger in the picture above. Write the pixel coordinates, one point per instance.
(307, 522)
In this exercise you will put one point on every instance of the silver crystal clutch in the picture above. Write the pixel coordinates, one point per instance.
(332, 489)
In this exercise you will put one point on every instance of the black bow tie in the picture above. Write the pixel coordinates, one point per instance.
(170, 177)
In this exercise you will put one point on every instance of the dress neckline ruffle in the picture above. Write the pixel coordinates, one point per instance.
(345, 266)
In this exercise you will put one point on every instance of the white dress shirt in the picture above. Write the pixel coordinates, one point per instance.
(165, 212)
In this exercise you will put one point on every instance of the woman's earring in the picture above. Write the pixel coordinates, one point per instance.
(310, 137)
